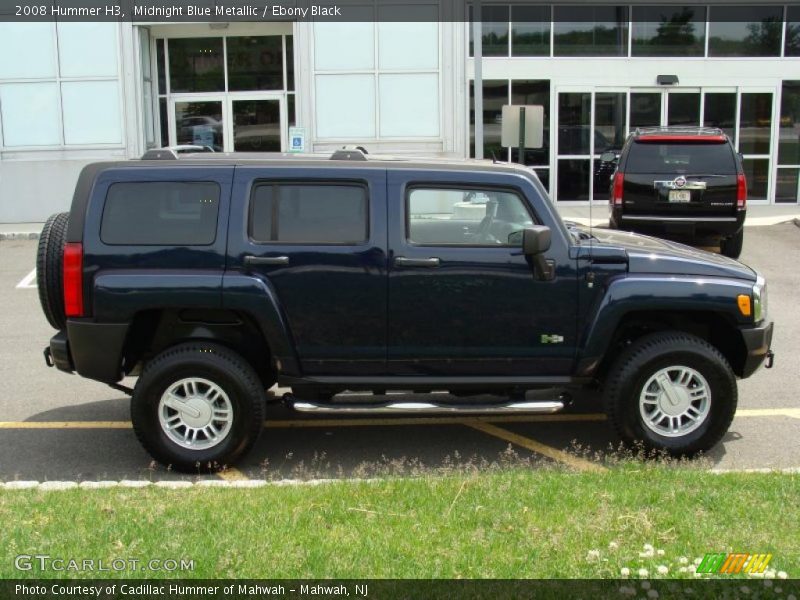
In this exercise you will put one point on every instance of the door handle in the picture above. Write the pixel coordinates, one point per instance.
(402, 261)
(266, 260)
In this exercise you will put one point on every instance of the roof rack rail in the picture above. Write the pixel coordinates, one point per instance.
(679, 129)
(350, 153)
(173, 152)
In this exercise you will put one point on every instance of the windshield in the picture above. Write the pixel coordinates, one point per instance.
(680, 158)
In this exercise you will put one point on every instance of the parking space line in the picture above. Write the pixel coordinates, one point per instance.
(232, 474)
(65, 425)
(543, 449)
(29, 279)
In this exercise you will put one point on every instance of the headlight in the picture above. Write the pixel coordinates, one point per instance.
(760, 299)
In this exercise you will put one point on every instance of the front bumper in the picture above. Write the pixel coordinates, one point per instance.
(757, 340)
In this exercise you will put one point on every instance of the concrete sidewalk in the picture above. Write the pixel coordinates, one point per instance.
(598, 215)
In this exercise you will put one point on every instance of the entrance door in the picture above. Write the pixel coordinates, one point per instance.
(232, 123)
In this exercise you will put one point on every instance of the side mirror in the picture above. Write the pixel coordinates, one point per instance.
(608, 157)
(536, 240)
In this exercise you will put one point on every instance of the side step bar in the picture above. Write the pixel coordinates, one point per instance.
(425, 408)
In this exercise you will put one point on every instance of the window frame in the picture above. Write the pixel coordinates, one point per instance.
(359, 183)
(456, 186)
(160, 181)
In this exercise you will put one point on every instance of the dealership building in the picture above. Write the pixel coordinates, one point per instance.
(78, 92)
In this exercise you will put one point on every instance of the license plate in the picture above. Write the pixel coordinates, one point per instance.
(680, 195)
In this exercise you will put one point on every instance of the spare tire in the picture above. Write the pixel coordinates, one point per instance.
(50, 269)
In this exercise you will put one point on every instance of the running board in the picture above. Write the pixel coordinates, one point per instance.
(425, 408)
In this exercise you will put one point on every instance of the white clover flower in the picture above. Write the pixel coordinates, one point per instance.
(645, 585)
(767, 583)
(643, 573)
(625, 572)
(770, 574)
(683, 560)
(660, 552)
(593, 555)
(627, 590)
(613, 545)
(683, 570)
(791, 597)
(778, 590)
(662, 569)
(697, 561)
(744, 589)
(782, 575)
(648, 547)
(652, 594)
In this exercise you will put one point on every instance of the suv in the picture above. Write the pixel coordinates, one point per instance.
(681, 180)
(212, 277)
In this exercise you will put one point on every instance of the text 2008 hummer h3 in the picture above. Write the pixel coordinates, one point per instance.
(211, 278)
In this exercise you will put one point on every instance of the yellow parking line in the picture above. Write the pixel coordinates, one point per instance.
(543, 449)
(232, 474)
(65, 425)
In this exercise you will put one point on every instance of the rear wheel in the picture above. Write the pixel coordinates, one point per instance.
(673, 392)
(50, 269)
(198, 407)
(732, 246)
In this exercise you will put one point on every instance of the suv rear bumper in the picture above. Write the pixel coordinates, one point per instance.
(757, 340)
(695, 225)
(94, 350)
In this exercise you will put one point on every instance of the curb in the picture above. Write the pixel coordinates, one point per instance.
(10, 236)
(49, 486)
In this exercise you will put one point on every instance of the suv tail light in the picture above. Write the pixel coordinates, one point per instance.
(616, 196)
(741, 191)
(73, 279)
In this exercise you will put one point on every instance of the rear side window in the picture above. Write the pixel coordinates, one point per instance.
(309, 213)
(163, 213)
(680, 158)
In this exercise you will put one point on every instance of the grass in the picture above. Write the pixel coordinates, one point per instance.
(504, 523)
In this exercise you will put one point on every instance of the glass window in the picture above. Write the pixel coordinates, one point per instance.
(574, 118)
(255, 63)
(30, 114)
(755, 123)
(789, 141)
(609, 121)
(494, 30)
(680, 158)
(603, 176)
(495, 95)
(745, 31)
(535, 92)
(33, 41)
(161, 67)
(342, 46)
(409, 105)
(290, 110)
(91, 112)
(590, 30)
(787, 185)
(162, 112)
(195, 65)
(256, 126)
(345, 106)
(792, 47)
(645, 109)
(544, 177)
(720, 111)
(530, 30)
(668, 31)
(87, 49)
(683, 109)
(756, 172)
(573, 179)
(309, 213)
(466, 217)
(199, 124)
(418, 23)
(289, 63)
(161, 214)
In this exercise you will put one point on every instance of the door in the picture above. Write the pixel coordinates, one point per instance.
(257, 124)
(463, 299)
(198, 121)
(318, 239)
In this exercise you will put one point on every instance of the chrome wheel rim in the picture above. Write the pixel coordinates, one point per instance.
(675, 401)
(195, 413)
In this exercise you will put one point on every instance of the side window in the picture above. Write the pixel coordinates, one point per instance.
(309, 213)
(161, 213)
(468, 217)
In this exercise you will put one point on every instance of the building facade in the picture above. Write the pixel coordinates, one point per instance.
(73, 93)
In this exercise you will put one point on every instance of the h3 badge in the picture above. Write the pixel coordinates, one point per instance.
(551, 338)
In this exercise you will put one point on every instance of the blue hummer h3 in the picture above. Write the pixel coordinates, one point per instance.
(211, 277)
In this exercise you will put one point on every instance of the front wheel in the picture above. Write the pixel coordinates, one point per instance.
(671, 392)
(197, 407)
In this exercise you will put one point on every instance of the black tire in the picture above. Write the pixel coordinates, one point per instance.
(643, 359)
(216, 364)
(50, 269)
(732, 246)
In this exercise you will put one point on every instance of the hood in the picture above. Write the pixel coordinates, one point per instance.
(662, 257)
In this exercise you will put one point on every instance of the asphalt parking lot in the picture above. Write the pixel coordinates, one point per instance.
(59, 427)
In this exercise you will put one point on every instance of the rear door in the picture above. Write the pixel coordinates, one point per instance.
(680, 177)
(318, 236)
